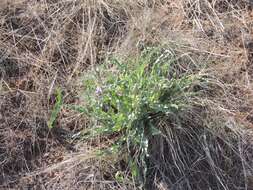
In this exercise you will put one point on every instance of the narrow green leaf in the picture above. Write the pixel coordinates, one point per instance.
(56, 110)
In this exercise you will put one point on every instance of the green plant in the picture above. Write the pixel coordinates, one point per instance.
(56, 110)
(127, 99)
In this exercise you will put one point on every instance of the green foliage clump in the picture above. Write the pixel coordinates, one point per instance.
(127, 99)
(56, 109)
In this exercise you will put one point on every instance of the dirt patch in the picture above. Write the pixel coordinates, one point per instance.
(11, 69)
(18, 146)
(23, 142)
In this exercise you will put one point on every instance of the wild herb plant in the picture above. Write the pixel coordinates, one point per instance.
(56, 109)
(126, 99)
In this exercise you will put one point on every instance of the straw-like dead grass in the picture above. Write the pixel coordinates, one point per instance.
(51, 43)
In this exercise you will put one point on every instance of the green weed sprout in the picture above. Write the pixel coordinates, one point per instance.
(128, 98)
(56, 110)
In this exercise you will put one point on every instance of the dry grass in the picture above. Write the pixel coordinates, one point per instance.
(50, 43)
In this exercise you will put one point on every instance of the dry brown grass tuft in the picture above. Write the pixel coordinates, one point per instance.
(50, 43)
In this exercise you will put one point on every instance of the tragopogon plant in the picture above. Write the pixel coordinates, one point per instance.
(127, 99)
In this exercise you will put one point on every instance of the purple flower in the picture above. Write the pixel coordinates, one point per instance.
(98, 91)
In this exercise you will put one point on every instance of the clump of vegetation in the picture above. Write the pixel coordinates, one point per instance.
(157, 123)
(128, 99)
(56, 110)
(174, 130)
